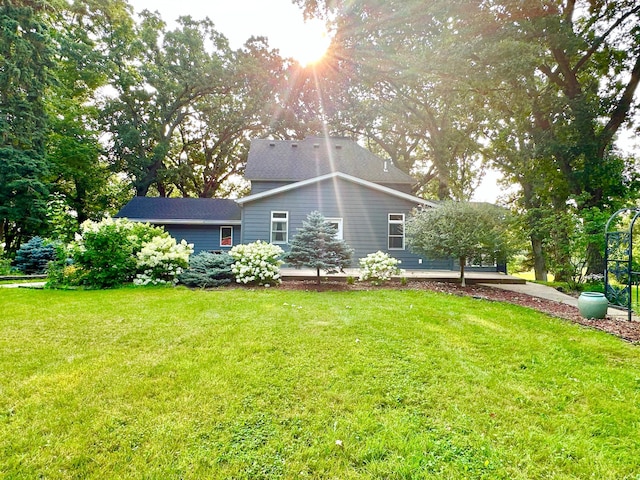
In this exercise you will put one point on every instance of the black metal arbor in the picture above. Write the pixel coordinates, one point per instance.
(619, 274)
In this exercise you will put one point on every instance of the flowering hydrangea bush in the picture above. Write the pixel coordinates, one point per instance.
(378, 268)
(257, 262)
(107, 251)
(161, 260)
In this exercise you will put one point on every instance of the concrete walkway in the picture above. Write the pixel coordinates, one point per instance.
(23, 285)
(432, 275)
(550, 293)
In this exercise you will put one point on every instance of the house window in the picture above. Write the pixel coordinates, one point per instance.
(226, 236)
(336, 223)
(279, 227)
(396, 231)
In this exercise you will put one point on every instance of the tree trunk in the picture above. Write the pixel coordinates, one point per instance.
(463, 261)
(595, 259)
(539, 262)
(318, 275)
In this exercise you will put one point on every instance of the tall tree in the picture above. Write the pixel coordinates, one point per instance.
(572, 67)
(82, 32)
(408, 91)
(25, 59)
(159, 78)
(557, 80)
(209, 154)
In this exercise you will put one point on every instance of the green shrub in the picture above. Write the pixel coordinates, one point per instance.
(62, 272)
(208, 270)
(5, 266)
(106, 250)
(5, 263)
(34, 256)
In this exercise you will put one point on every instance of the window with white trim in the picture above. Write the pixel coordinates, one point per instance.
(336, 223)
(396, 231)
(279, 227)
(226, 236)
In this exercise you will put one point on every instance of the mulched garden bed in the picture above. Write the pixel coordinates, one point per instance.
(618, 326)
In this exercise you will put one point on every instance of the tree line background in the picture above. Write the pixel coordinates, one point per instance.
(98, 104)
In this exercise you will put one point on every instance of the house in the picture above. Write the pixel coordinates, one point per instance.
(365, 197)
(211, 224)
(368, 199)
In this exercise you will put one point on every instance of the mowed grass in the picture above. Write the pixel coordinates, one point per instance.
(165, 383)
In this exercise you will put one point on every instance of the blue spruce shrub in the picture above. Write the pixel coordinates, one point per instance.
(34, 256)
(208, 270)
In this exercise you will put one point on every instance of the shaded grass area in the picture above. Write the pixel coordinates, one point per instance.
(172, 383)
(21, 280)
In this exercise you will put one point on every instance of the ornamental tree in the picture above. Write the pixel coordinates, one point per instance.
(316, 245)
(461, 230)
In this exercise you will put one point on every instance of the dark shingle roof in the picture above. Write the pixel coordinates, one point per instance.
(290, 160)
(181, 210)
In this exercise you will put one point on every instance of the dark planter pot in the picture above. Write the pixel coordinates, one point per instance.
(593, 305)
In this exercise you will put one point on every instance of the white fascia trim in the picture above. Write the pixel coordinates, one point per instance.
(177, 221)
(344, 176)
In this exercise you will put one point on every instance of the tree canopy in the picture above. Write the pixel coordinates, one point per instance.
(536, 89)
(98, 104)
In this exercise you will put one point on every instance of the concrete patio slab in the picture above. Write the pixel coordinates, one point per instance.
(431, 275)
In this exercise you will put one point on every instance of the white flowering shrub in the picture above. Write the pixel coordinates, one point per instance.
(257, 262)
(161, 260)
(106, 252)
(378, 268)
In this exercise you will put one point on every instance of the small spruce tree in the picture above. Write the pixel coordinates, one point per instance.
(317, 246)
(208, 270)
(34, 256)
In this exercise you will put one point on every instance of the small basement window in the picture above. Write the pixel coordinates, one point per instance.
(396, 231)
(226, 236)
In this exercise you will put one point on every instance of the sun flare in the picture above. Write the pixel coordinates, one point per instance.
(312, 42)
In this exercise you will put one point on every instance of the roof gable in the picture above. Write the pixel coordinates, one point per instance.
(193, 211)
(290, 160)
(349, 178)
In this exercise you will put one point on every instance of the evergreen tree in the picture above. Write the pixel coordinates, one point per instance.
(34, 256)
(25, 56)
(317, 246)
(208, 270)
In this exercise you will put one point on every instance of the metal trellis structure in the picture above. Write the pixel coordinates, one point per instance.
(619, 274)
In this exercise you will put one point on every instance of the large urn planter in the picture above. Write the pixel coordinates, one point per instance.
(593, 305)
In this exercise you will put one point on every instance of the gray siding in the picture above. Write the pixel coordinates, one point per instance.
(203, 237)
(258, 186)
(364, 212)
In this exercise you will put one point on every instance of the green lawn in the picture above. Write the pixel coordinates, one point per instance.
(170, 383)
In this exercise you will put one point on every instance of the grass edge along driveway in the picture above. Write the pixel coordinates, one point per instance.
(173, 383)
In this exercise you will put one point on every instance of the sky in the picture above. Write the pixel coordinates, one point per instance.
(281, 22)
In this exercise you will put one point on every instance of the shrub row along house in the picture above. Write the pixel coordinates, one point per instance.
(366, 198)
